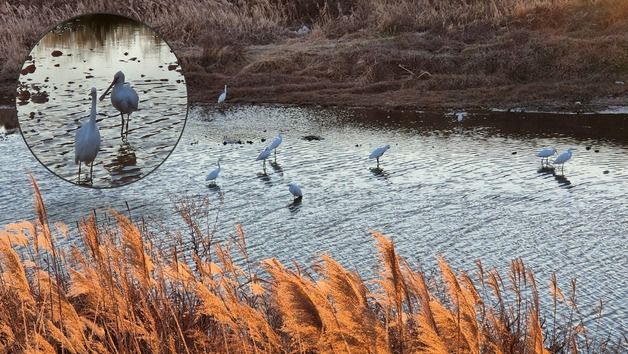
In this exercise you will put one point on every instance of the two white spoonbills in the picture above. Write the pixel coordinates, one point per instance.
(264, 154)
(562, 158)
(545, 154)
(275, 144)
(214, 174)
(223, 95)
(87, 140)
(123, 98)
(377, 153)
(295, 190)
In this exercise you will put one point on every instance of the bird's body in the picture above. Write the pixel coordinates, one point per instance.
(123, 98)
(377, 153)
(275, 144)
(563, 157)
(213, 174)
(460, 116)
(264, 154)
(87, 139)
(223, 95)
(546, 153)
(295, 190)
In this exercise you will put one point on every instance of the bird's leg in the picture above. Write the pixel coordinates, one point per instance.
(79, 175)
(91, 168)
(128, 117)
(275, 155)
(121, 125)
(378, 162)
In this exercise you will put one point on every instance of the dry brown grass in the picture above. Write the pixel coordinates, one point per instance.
(116, 292)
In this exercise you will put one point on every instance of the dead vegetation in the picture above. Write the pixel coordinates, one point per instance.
(113, 290)
(479, 53)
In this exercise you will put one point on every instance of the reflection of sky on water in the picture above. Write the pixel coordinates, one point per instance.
(53, 100)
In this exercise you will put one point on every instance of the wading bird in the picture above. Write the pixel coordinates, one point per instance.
(545, 154)
(295, 190)
(223, 95)
(377, 153)
(123, 98)
(214, 174)
(562, 158)
(263, 155)
(460, 116)
(275, 143)
(87, 140)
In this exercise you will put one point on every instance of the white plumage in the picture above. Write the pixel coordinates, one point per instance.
(377, 153)
(295, 190)
(87, 139)
(563, 157)
(223, 95)
(264, 154)
(123, 98)
(214, 174)
(546, 153)
(460, 116)
(275, 143)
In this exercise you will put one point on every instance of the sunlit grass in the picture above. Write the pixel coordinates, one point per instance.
(114, 291)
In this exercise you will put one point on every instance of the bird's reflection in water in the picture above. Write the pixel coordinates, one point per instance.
(563, 181)
(295, 206)
(123, 168)
(264, 177)
(380, 173)
(212, 186)
(276, 167)
(546, 170)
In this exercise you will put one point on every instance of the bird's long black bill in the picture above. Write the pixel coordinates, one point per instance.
(102, 97)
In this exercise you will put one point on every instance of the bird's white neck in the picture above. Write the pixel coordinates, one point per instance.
(225, 88)
(92, 114)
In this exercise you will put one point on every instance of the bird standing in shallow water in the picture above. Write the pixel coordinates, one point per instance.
(223, 95)
(87, 140)
(377, 153)
(562, 158)
(545, 154)
(275, 143)
(295, 190)
(214, 174)
(263, 155)
(123, 98)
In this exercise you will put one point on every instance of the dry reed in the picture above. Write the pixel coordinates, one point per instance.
(115, 292)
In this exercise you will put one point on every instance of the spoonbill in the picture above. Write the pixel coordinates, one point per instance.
(545, 153)
(562, 158)
(460, 116)
(377, 153)
(123, 98)
(295, 190)
(263, 155)
(87, 140)
(214, 174)
(223, 95)
(275, 143)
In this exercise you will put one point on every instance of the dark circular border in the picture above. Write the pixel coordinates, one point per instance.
(187, 107)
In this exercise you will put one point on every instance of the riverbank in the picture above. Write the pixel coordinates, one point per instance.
(559, 56)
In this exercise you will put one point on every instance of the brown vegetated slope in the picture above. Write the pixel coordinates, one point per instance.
(115, 291)
(452, 53)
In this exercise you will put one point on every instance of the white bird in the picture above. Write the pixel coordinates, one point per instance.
(295, 190)
(562, 158)
(377, 153)
(264, 154)
(223, 95)
(545, 153)
(275, 143)
(123, 98)
(214, 174)
(460, 116)
(87, 140)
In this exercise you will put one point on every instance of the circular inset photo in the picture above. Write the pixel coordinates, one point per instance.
(101, 100)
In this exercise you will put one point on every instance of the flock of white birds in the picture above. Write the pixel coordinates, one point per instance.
(125, 100)
(297, 193)
(87, 138)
